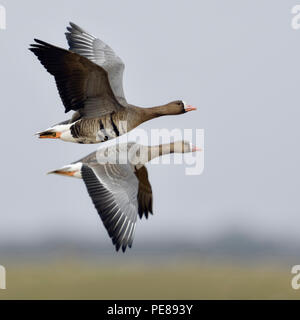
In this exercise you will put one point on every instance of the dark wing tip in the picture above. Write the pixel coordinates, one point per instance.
(43, 43)
(124, 247)
(145, 210)
(123, 241)
(75, 27)
(118, 246)
(39, 46)
(151, 205)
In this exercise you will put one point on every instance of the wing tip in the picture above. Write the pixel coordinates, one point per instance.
(145, 213)
(118, 246)
(74, 27)
(123, 247)
(39, 44)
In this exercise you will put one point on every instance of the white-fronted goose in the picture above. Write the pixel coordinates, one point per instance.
(89, 78)
(120, 190)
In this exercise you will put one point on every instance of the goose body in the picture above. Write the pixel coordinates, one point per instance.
(89, 78)
(120, 190)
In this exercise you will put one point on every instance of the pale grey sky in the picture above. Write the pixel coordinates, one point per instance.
(238, 61)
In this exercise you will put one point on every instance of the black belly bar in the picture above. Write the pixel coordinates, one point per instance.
(116, 130)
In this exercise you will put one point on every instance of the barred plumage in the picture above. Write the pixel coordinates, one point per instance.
(89, 79)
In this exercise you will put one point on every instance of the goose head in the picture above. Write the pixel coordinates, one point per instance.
(182, 147)
(180, 106)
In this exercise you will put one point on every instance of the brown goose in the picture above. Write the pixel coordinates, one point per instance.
(89, 78)
(117, 181)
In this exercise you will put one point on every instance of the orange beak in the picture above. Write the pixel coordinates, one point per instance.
(63, 173)
(195, 149)
(50, 135)
(190, 108)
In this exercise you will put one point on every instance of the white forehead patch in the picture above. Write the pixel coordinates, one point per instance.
(184, 104)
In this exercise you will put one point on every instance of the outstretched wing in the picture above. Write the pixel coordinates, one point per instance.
(82, 84)
(100, 53)
(114, 190)
(145, 197)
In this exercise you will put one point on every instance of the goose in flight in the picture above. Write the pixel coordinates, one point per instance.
(117, 181)
(89, 79)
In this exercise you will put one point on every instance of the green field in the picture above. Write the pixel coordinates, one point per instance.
(79, 279)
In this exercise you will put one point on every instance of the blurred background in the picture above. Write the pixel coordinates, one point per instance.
(232, 232)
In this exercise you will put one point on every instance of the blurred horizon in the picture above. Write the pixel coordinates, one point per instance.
(229, 245)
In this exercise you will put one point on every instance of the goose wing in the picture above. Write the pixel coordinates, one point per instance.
(82, 84)
(114, 192)
(145, 196)
(100, 53)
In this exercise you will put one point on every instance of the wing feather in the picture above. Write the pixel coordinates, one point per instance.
(115, 198)
(78, 79)
(100, 53)
(145, 196)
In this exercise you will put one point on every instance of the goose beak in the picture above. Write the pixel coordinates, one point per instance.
(196, 149)
(189, 108)
(72, 170)
(63, 172)
(49, 135)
